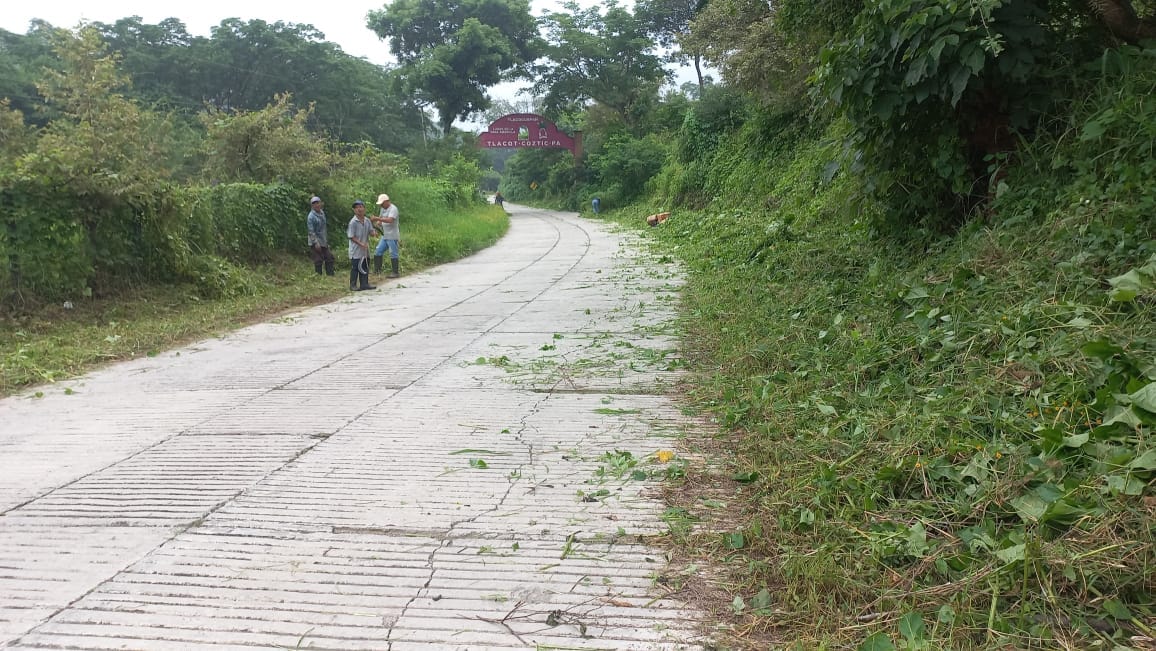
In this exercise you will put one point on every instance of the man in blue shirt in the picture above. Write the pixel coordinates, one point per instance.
(318, 237)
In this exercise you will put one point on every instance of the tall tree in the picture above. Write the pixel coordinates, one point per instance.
(606, 58)
(244, 65)
(668, 23)
(22, 60)
(742, 39)
(272, 144)
(452, 51)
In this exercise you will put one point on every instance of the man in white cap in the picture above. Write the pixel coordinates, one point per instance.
(390, 236)
(318, 237)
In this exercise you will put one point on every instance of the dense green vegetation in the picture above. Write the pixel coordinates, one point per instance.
(939, 429)
(921, 304)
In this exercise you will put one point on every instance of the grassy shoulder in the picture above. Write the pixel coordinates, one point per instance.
(924, 446)
(53, 343)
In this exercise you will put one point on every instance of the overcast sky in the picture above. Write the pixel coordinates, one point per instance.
(342, 21)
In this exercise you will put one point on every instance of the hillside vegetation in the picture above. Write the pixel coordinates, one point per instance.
(943, 440)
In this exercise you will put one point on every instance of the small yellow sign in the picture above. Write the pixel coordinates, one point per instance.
(533, 185)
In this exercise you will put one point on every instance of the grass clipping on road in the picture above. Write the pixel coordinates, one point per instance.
(944, 446)
(54, 343)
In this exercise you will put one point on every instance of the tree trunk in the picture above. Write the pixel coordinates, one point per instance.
(1121, 19)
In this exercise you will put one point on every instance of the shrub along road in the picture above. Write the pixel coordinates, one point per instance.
(460, 460)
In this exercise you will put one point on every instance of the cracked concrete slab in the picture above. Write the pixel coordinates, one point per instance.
(463, 460)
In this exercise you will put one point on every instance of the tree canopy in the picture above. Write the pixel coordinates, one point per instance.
(245, 65)
(452, 51)
(605, 56)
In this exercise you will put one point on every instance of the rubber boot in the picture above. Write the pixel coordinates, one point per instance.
(317, 267)
(377, 264)
(393, 268)
(328, 268)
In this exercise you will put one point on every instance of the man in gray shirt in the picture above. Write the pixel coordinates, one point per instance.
(359, 231)
(318, 237)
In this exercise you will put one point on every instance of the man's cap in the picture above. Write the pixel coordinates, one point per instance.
(315, 200)
(359, 202)
(382, 198)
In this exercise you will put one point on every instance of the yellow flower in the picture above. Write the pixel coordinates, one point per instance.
(664, 455)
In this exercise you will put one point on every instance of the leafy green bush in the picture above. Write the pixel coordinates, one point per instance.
(216, 277)
(626, 164)
(719, 111)
(246, 222)
(272, 145)
(955, 440)
(937, 90)
(43, 247)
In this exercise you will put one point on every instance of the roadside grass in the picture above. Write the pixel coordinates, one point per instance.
(925, 445)
(50, 343)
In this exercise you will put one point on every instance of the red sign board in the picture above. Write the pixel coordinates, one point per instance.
(525, 130)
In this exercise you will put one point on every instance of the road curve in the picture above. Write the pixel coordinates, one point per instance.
(461, 460)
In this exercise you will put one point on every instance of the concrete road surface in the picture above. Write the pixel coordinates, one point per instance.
(463, 459)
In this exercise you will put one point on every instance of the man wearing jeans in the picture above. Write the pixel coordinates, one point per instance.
(358, 232)
(318, 238)
(390, 236)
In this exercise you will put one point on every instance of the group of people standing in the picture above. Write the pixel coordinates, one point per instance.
(359, 232)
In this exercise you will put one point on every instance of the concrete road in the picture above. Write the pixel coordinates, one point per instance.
(463, 459)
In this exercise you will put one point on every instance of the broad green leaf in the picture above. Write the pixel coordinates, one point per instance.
(1117, 609)
(734, 540)
(911, 626)
(916, 293)
(826, 410)
(1092, 130)
(946, 615)
(738, 604)
(1049, 493)
(1011, 554)
(1101, 349)
(1030, 507)
(917, 539)
(762, 600)
(1079, 322)
(1076, 440)
(877, 642)
(1126, 287)
(806, 516)
(1146, 461)
(1145, 398)
(1121, 414)
(1124, 484)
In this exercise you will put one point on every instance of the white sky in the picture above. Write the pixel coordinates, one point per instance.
(342, 21)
